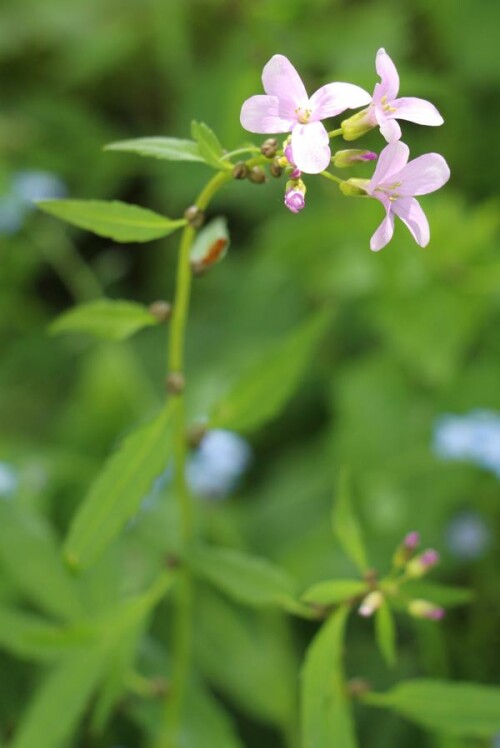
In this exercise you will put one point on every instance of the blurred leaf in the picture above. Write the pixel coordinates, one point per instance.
(439, 594)
(30, 556)
(210, 245)
(208, 145)
(345, 524)
(167, 149)
(385, 633)
(264, 391)
(60, 701)
(247, 579)
(105, 318)
(326, 713)
(113, 219)
(333, 591)
(119, 489)
(30, 637)
(462, 709)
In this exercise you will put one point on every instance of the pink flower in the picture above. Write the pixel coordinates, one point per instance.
(295, 195)
(286, 107)
(396, 182)
(386, 108)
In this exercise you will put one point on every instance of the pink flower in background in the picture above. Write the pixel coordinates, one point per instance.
(386, 108)
(286, 107)
(396, 182)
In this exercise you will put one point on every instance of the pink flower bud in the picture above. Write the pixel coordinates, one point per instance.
(425, 609)
(412, 540)
(423, 563)
(289, 154)
(429, 558)
(342, 159)
(370, 604)
(295, 191)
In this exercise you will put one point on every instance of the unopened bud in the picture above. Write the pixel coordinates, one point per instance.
(194, 216)
(276, 170)
(257, 175)
(295, 191)
(288, 153)
(342, 159)
(240, 170)
(354, 187)
(370, 604)
(404, 551)
(423, 563)
(425, 609)
(175, 383)
(359, 124)
(162, 310)
(269, 147)
(412, 540)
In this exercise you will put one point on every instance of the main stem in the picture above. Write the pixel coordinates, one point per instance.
(176, 355)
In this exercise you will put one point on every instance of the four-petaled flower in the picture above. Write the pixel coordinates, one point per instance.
(396, 182)
(286, 107)
(385, 108)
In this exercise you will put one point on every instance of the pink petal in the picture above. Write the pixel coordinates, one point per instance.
(330, 100)
(261, 114)
(410, 212)
(389, 78)
(391, 161)
(311, 147)
(383, 234)
(416, 110)
(280, 79)
(389, 128)
(423, 175)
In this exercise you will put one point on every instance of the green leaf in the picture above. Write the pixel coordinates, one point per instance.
(210, 245)
(461, 709)
(59, 703)
(326, 713)
(439, 594)
(30, 557)
(30, 637)
(385, 633)
(248, 580)
(264, 391)
(119, 489)
(113, 219)
(209, 147)
(346, 526)
(167, 149)
(333, 591)
(105, 318)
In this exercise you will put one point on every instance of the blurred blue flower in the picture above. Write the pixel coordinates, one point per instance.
(468, 536)
(25, 188)
(215, 468)
(495, 743)
(474, 437)
(8, 480)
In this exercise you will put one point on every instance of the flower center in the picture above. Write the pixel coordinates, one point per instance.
(389, 190)
(303, 114)
(385, 106)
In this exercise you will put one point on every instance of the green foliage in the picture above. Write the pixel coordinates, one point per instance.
(166, 149)
(209, 146)
(462, 709)
(106, 318)
(119, 489)
(334, 591)
(113, 219)
(264, 390)
(345, 524)
(385, 633)
(326, 712)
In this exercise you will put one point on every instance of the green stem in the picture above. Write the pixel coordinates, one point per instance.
(176, 365)
(335, 133)
(332, 177)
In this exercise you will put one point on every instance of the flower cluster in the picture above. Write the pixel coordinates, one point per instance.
(287, 108)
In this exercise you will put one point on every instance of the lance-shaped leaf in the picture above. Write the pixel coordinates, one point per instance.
(434, 592)
(461, 709)
(209, 146)
(345, 523)
(333, 591)
(326, 713)
(249, 580)
(264, 391)
(30, 557)
(113, 219)
(210, 245)
(108, 319)
(166, 149)
(60, 701)
(385, 633)
(119, 489)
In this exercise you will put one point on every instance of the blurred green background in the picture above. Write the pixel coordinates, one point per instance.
(415, 333)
